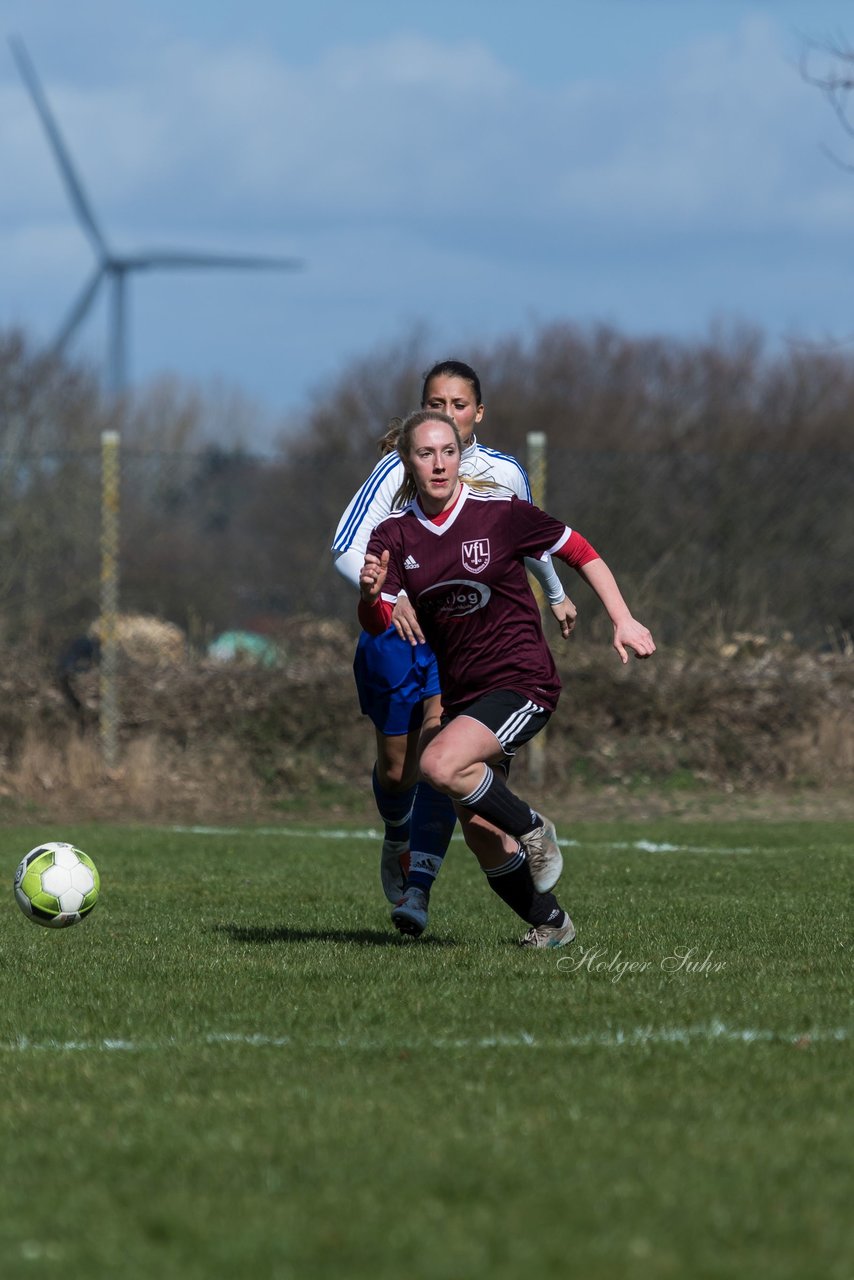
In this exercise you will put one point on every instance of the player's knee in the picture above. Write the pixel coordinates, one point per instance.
(438, 769)
(394, 778)
(395, 766)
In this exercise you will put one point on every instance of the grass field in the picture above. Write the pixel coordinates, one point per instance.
(233, 1068)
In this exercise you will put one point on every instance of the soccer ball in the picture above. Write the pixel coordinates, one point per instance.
(56, 885)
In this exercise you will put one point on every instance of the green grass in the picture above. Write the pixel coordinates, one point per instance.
(233, 1067)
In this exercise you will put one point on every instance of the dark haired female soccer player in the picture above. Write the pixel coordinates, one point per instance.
(398, 683)
(458, 554)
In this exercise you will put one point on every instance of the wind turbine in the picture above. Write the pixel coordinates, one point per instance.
(110, 266)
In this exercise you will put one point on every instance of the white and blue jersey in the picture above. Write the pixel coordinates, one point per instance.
(394, 677)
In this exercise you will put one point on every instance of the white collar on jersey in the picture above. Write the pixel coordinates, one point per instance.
(439, 529)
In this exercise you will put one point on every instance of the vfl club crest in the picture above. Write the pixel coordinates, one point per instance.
(476, 555)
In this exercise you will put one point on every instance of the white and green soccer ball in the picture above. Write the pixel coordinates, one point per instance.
(56, 885)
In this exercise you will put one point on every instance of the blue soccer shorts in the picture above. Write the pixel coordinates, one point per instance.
(393, 678)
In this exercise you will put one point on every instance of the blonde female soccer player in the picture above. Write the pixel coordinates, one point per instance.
(457, 551)
(398, 683)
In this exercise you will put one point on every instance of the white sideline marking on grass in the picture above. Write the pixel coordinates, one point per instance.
(616, 1039)
(641, 846)
(301, 832)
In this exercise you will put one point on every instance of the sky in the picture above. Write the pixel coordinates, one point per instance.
(465, 169)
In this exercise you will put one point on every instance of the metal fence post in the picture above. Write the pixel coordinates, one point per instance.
(536, 443)
(109, 701)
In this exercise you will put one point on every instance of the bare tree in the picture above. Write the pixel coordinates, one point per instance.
(715, 474)
(829, 67)
(51, 416)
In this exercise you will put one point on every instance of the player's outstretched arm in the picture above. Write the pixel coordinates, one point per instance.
(628, 632)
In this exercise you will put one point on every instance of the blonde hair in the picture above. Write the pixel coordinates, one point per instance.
(400, 432)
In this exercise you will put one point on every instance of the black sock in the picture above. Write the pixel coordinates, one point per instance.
(492, 799)
(514, 885)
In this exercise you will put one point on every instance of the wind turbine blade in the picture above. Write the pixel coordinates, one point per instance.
(72, 183)
(180, 260)
(78, 312)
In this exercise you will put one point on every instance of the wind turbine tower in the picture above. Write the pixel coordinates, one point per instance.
(115, 268)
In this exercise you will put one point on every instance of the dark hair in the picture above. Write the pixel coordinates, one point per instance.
(387, 442)
(452, 369)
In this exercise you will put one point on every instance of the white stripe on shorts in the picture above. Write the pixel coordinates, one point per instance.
(514, 725)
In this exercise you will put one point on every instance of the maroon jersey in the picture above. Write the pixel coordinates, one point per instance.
(467, 582)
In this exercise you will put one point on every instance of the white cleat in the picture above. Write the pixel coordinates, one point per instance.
(544, 856)
(549, 935)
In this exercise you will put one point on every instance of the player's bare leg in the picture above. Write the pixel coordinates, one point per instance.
(460, 760)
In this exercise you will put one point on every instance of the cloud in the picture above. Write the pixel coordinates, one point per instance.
(410, 129)
(723, 139)
(424, 176)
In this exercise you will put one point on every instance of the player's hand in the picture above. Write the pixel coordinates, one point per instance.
(565, 612)
(372, 575)
(405, 621)
(633, 635)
